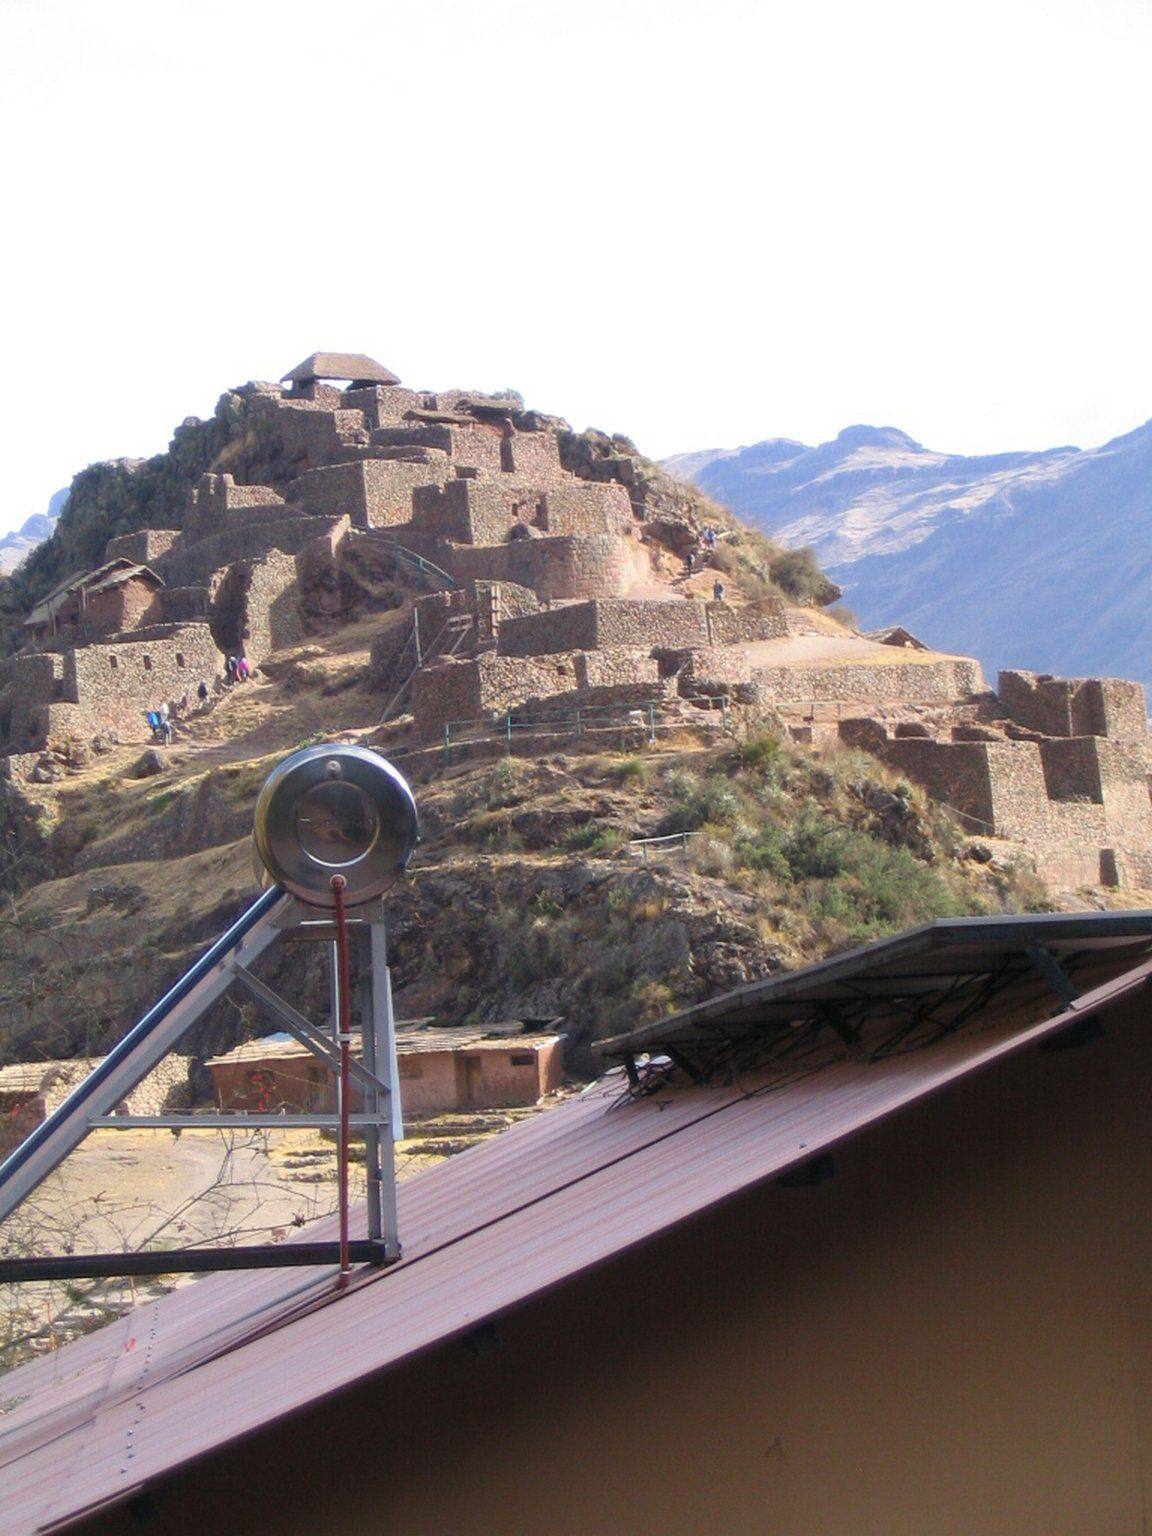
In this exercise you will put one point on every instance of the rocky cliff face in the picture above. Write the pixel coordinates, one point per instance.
(1036, 560)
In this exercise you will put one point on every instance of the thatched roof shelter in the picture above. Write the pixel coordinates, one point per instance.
(340, 365)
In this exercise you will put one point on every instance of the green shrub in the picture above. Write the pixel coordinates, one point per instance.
(596, 838)
(631, 770)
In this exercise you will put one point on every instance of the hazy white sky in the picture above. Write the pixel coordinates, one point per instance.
(700, 222)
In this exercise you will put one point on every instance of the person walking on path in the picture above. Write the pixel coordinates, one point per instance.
(243, 670)
(230, 667)
(165, 724)
(718, 591)
(202, 692)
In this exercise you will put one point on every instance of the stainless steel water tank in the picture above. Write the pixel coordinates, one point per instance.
(332, 810)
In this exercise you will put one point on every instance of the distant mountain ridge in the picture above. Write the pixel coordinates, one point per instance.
(14, 546)
(1039, 560)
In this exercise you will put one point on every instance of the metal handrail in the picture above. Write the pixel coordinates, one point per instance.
(427, 570)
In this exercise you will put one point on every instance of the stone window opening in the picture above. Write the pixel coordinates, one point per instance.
(523, 1059)
(113, 662)
(180, 662)
(147, 663)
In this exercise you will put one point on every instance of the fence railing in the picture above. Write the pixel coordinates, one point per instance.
(651, 718)
(428, 575)
(671, 842)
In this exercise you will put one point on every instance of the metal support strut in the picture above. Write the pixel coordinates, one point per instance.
(93, 1103)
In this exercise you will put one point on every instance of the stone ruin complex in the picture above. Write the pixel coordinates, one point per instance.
(555, 585)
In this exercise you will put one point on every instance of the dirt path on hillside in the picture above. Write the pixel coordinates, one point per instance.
(834, 651)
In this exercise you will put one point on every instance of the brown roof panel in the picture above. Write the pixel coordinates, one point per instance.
(531, 1208)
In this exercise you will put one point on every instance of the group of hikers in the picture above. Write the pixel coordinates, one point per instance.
(237, 669)
(697, 556)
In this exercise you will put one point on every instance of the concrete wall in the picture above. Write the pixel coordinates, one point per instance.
(949, 1337)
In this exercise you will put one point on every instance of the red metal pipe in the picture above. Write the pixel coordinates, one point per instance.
(344, 1036)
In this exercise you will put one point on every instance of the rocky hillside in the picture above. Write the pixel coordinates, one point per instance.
(1034, 560)
(524, 898)
(16, 546)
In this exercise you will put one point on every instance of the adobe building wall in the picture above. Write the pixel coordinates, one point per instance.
(50, 1083)
(492, 1078)
(145, 547)
(271, 1084)
(372, 493)
(1075, 706)
(124, 606)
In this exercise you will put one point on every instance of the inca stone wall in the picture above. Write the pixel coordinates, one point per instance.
(1075, 706)
(948, 681)
(1078, 803)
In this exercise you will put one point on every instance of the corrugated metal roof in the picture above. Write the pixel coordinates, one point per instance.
(411, 1041)
(527, 1210)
